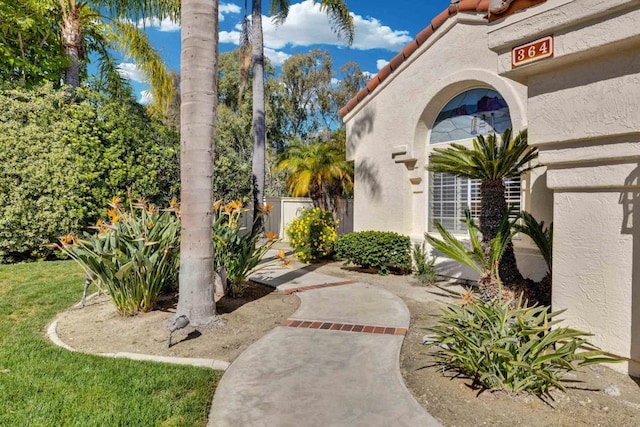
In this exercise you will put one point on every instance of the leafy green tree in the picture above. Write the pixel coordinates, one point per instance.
(30, 46)
(491, 160)
(342, 23)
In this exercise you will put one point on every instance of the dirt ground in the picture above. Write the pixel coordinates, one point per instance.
(596, 396)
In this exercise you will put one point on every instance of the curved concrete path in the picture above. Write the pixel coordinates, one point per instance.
(335, 362)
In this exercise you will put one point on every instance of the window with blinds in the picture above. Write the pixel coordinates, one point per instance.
(450, 196)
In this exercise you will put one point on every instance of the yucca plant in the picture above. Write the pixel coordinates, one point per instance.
(134, 255)
(507, 345)
(236, 248)
(491, 160)
(487, 264)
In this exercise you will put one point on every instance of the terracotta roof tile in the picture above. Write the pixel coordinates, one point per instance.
(409, 49)
(396, 61)
(480, 6)
(424, 35)
(362, 94)
(384, 72)
(373, 83)
(442, 18)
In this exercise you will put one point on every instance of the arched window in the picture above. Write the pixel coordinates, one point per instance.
(473, 112)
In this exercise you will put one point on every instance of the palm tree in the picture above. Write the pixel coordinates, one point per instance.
(492, 160)
(83, 28)
(342, 23)
(198, 89)
(319, 170)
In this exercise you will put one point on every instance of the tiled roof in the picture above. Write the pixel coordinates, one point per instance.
(423, 36)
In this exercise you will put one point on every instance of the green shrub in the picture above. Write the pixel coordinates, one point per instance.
(63, 156)
(424, 265)
(313, 234)
(509, 345)
(377, 249)
(134, 255)
(236, 248)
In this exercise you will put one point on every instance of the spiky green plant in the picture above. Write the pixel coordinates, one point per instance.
(424, 265)
(507, 345)
(135, 255)
(491, 160)
(486, 264)
(542, 236)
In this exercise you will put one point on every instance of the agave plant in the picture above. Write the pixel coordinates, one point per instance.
(487, 264)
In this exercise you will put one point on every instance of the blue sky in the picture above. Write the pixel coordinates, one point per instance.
(383, 28)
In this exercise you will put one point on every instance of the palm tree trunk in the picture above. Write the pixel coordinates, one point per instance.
(259, 121)
(72, 42)
(493, 207)
(198, 89)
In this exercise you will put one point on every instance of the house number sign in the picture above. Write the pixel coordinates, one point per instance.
(532, 51)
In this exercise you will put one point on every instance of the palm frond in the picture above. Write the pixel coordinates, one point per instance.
(341, 19)
(542, 236)
(135, 44)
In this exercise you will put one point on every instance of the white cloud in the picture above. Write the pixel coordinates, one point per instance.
(165, 25)
(228, 8)
(130, 71)
(146, 97)
(369, 75)
(306, 25)
(381, 63)
(277, 58)
(232, 37)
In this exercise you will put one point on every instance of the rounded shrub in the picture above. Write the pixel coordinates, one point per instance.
(313, 234)
(375, 249)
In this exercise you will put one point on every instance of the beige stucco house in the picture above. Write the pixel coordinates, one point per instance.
(567, 70)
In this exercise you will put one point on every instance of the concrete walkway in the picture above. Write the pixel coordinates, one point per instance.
(335, 362)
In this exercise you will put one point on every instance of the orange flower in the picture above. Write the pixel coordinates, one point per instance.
(266, 208)
(235, 205)
(152, 209)
(217, 205)
(69, 239)
(282, 256)
(113, 215)
(116, 201)
(467, 298)
(173, 204)
(270, 235)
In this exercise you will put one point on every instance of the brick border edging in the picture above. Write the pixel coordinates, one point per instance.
(323, 285)
(346, 327)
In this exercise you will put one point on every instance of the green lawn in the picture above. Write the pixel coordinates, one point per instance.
(43, 385)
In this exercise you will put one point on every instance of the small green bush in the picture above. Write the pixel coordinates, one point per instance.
(236, 248)
(509, 345)
(377, 249)
(313, 234)
(424, 265)
(134, 255)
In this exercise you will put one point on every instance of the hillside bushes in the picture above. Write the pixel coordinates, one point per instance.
(62, 157)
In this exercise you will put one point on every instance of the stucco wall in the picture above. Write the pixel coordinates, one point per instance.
(584, 116)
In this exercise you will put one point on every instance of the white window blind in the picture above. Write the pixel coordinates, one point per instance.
(450, 196)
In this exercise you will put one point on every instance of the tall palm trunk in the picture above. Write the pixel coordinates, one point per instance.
(71, 41)
(492, 210)
(259, 126)
(198, 89)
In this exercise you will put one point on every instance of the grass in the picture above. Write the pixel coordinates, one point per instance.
(43, 385)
